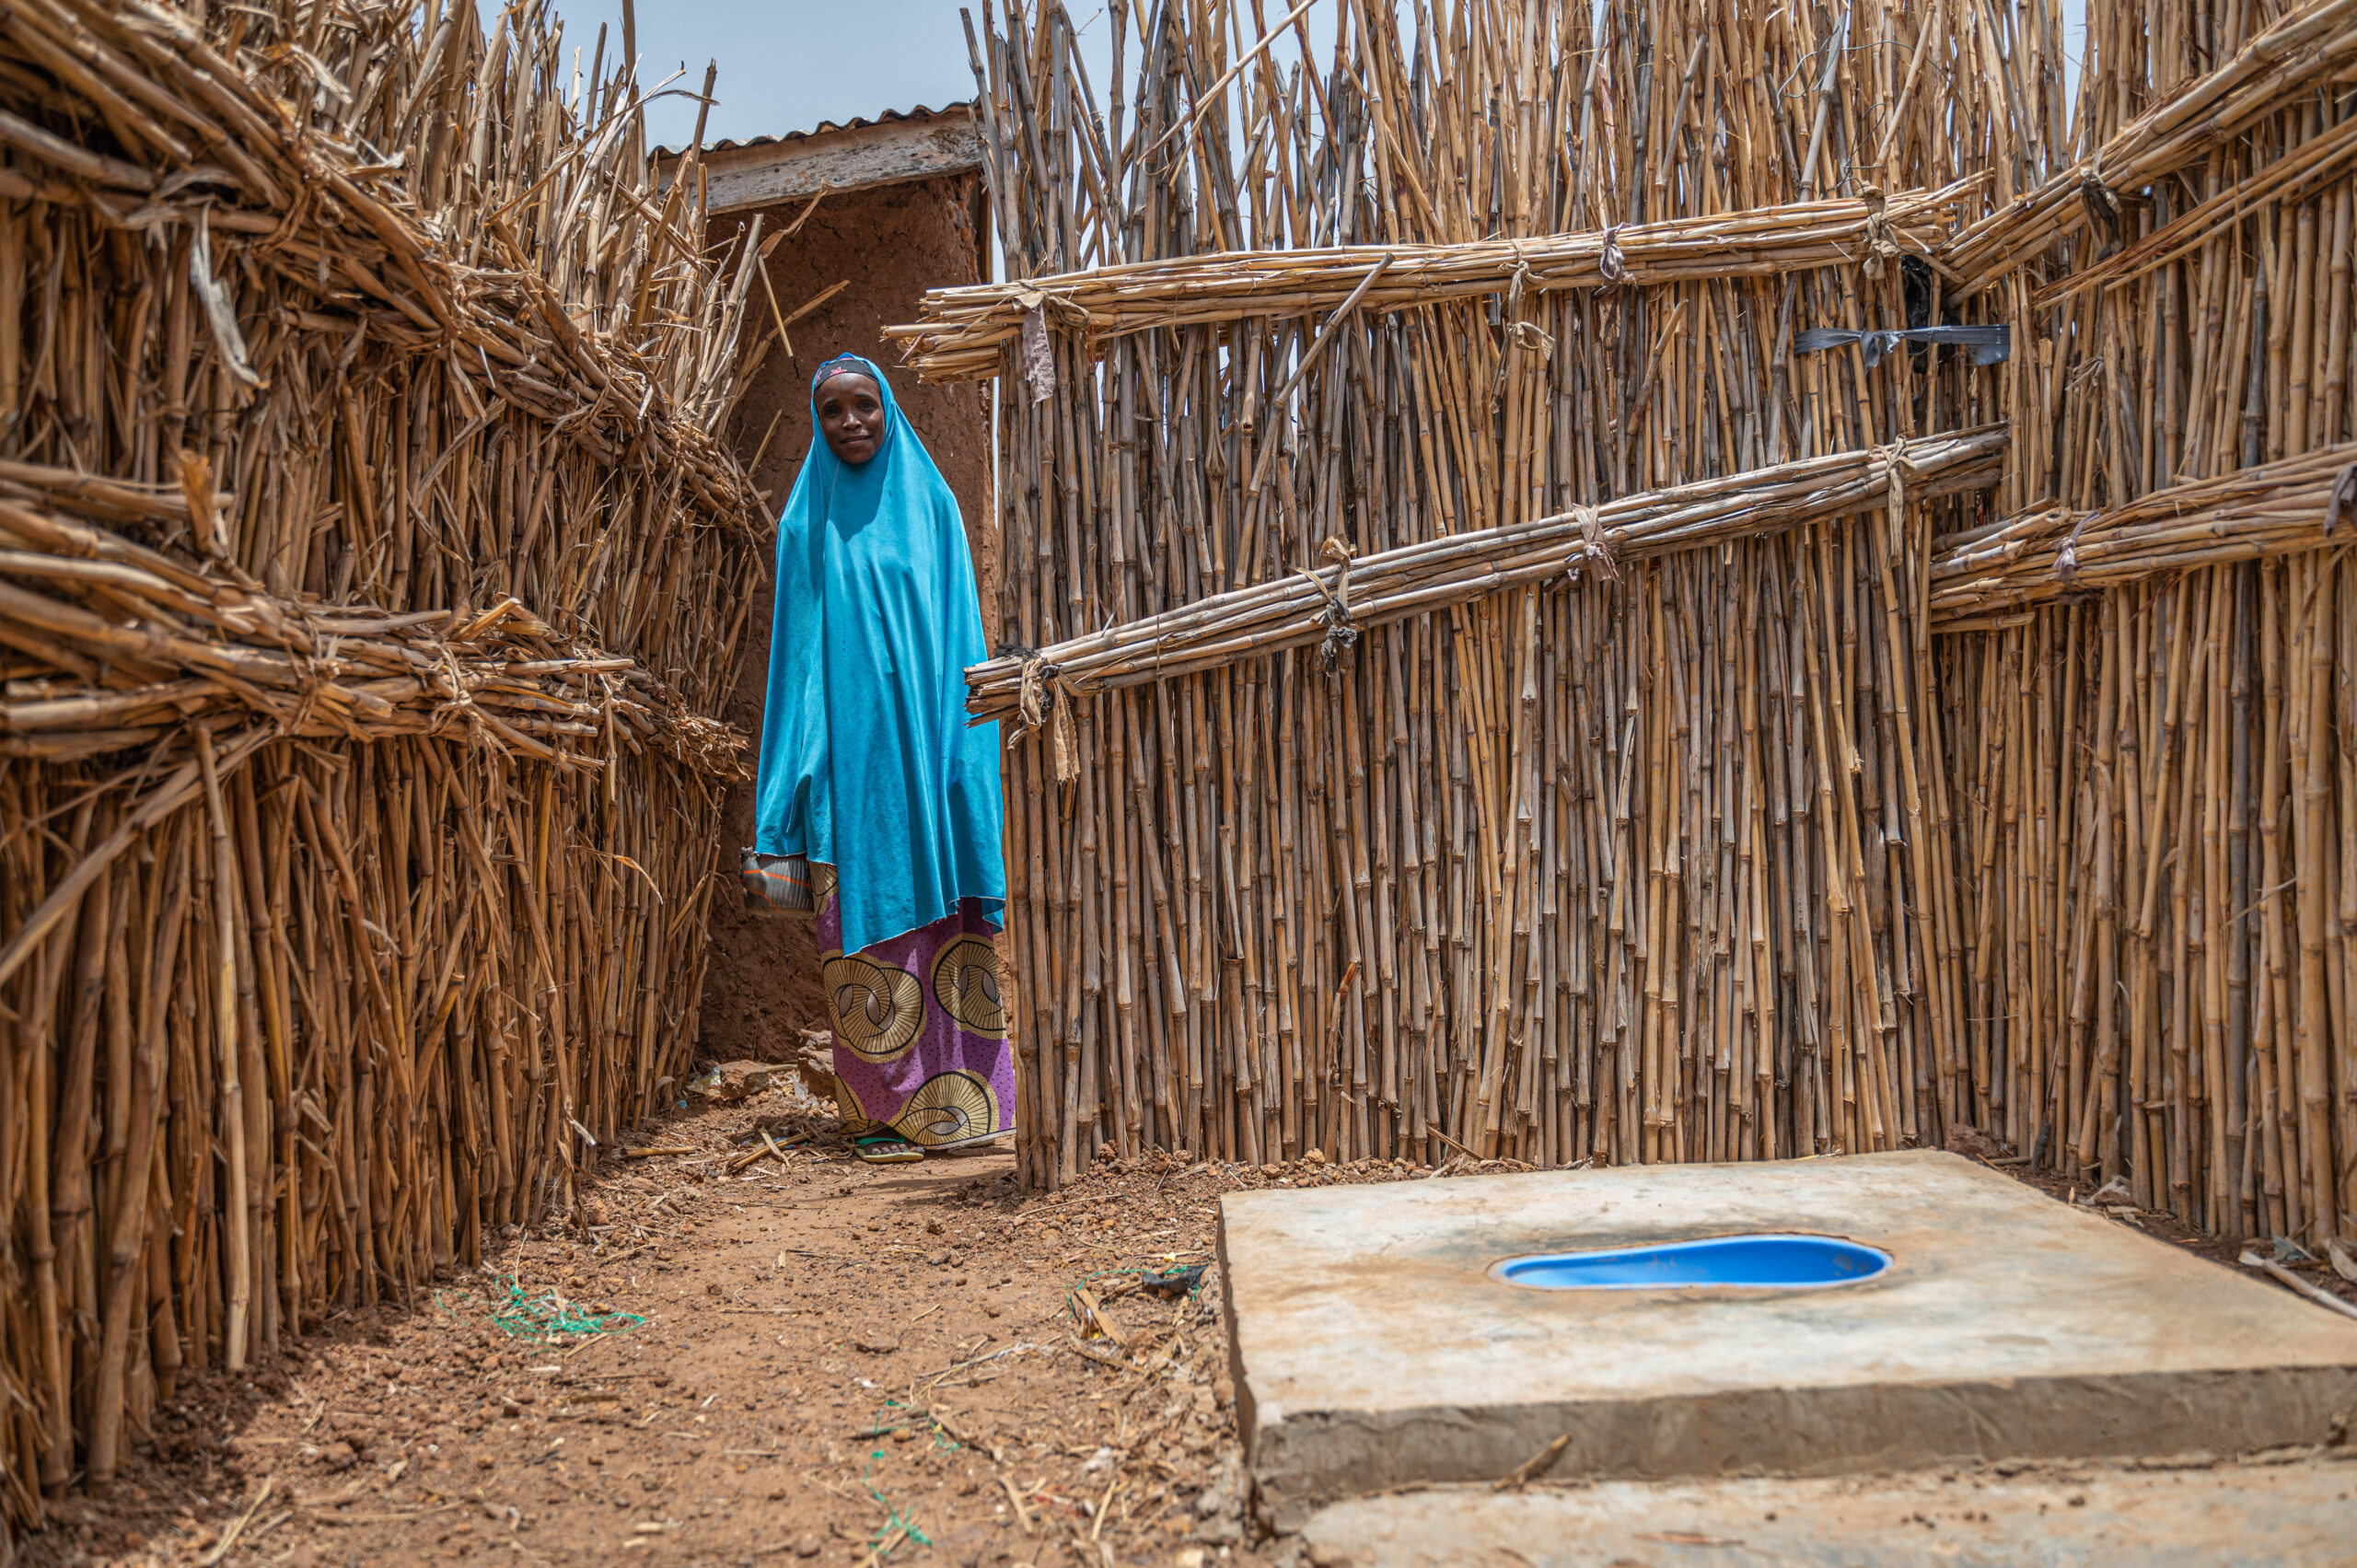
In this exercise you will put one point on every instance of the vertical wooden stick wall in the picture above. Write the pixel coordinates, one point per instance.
(1663, 868)
(1732, 857)
(370, 549)
(2161, 811)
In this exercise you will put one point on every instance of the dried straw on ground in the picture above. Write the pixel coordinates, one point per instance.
(369, 556)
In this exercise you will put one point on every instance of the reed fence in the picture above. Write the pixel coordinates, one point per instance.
(1653, 866)
(2152, 679)
(370, 552)
(1344, 815)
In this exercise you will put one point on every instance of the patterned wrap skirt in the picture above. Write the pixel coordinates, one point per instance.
(920, 1027)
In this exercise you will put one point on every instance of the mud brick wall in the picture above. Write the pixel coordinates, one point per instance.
(891, 242)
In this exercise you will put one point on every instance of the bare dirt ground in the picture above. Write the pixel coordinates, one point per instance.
(837, 1363)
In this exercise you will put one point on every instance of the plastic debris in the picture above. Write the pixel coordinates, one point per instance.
(1178, 1280)
(540, 1318)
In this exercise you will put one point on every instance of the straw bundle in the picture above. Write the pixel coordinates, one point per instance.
(2311, 44)
(2251, 514)
(369, 551)
(1357, 595)
(1652, 868)
(502, 677)
(964, 329)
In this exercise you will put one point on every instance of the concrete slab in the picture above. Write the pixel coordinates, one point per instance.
(1373, 1350)
(2294, 1515)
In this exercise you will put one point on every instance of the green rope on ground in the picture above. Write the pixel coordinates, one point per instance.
(1072, 1291)
(942, 1442)
(893, 1518)
(536, 1319)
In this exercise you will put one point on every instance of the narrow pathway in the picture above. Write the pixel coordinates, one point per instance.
(838, 1363)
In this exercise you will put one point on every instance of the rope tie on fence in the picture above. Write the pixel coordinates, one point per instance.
(1044, 689)
(1341, 634)
(1521, 333)
(1027, 701)
(1594, 548)
(2066, 560)
(1530, 335)
(1613, 263)
(1882, 240)
(460, 700)
(2343, 496)
(2101, 201)
(1060, 733)
(1039, 354)
(1893, 459)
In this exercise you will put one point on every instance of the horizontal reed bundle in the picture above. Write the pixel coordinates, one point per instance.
(2311, 167)
(1420, 579)
(97, 605)
(371, 554)
(2305, 47)
(964, 330)
(2248, 514)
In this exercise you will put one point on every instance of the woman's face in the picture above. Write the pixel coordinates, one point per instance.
(850, 416)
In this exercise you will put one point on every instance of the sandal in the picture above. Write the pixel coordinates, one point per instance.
(886, 1148)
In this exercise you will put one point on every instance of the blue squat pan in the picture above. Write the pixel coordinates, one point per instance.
(1758, 1262)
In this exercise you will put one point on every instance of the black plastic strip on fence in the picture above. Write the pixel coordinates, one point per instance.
(1990, 345)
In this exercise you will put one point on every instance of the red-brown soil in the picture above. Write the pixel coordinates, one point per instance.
(838, 1365)
(2168, 1228)
(830, 1353)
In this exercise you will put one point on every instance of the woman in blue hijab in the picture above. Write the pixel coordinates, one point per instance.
(869, 772)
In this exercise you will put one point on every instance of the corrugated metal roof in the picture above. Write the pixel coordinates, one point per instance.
(916, 115)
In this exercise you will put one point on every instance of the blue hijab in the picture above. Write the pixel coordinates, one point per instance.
(866, 761)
